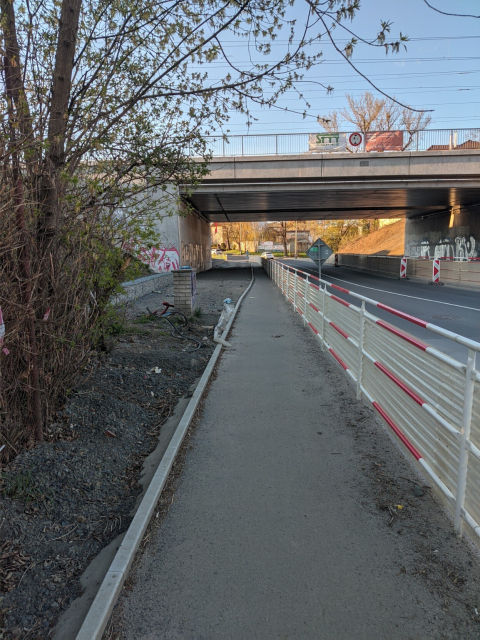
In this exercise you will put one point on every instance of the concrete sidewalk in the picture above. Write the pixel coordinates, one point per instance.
(267, 537)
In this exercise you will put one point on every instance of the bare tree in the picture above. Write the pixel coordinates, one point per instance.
(369, 113)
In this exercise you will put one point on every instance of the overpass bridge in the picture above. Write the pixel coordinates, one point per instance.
(338, 186)
(436, 188)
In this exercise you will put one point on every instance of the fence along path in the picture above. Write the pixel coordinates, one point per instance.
(429, 400)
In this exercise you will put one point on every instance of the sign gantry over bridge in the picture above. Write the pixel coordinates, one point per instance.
(341, 185)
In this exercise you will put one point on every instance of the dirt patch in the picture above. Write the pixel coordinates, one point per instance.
(67, 499)
(431, 550)
(387, 241)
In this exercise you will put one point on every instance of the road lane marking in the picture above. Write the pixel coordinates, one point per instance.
(403, 295)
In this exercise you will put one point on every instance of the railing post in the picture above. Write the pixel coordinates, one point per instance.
(242, 146)
(295, 291)
(360, 351)
(305, 301)
(223, 146)
(276, 144)
(324, 302)
(465, 435)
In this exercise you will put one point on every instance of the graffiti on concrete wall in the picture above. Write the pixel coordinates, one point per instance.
(458, 247)
(160, 260)
(194, 255)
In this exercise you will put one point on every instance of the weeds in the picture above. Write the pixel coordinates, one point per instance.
(22, 487)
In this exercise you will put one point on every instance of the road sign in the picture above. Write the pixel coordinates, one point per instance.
(403, 268)
(355, 139)
(319, 252)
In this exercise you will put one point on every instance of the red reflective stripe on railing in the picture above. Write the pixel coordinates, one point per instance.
(340, 331)
(403, 438)
(344, 302)
(299, 294)
(314, 285)
(403, 315)
(312, 327)
(335, 286)
(400, 384)
(404, 336)
(300, 311)
(314, 307)
(338, 359)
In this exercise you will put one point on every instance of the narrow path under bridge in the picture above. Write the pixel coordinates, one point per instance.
(286, 519)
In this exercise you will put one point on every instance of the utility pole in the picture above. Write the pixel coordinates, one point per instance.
(296, 245)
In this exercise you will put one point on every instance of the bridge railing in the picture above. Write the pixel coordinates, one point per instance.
(429, 400)
(321, 142)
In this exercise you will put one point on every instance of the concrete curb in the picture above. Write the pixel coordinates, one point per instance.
(97, 618)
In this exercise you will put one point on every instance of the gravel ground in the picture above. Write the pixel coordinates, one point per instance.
(65, 500)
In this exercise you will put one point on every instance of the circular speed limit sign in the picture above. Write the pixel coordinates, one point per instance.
(355, 139)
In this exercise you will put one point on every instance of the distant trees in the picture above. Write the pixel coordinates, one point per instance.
(370, 113)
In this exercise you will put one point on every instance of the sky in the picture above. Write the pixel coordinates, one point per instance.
(440, 69)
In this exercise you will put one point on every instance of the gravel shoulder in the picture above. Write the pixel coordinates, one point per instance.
(66, 500)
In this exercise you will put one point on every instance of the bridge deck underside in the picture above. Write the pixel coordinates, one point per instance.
(275, 202)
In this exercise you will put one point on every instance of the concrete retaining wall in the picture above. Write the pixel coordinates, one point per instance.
(461, 274)
(374, 264)
(453, 273)
(142, 286)
(452, 234)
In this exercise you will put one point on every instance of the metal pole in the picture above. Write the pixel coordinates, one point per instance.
(305, 301)
(324, 291)
(360, 351)
(295, 275)
(465, 435)
(240, 238)
(296, 245)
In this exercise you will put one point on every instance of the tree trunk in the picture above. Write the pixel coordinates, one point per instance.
(52, 186)
(24, 252)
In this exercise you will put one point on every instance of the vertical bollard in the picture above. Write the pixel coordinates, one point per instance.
(465, 435)
(360, 351)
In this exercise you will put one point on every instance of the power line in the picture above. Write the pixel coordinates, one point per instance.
(357, 61)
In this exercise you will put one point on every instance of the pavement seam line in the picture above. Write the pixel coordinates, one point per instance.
(102, 606)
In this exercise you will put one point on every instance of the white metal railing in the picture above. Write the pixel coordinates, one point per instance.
(296, 143)
(430, 400)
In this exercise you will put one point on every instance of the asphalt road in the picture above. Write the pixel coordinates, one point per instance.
(277, 528)
(457, 310)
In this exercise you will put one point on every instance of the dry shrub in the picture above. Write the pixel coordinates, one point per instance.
(54, 295)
